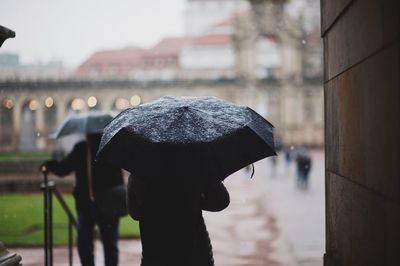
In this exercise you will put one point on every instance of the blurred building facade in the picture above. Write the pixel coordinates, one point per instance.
(274, 67)
(12, 69)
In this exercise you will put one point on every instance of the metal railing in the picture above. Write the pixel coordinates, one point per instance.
(49, 189)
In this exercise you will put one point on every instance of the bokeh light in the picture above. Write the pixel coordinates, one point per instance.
(121, 103)
(8, 103)
(92, 101)
(33, 105)
(135, 100)
(49, 102)
(77, 104)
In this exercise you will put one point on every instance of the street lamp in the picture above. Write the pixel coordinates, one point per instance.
(5, 33)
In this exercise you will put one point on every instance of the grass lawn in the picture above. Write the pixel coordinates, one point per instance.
(21, 220)
(24, 156)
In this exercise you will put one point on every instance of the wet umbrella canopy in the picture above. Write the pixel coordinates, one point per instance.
(83, 123)
(221, 135)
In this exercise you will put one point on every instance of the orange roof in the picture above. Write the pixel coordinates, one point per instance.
(170, 46)
(130, 56)
(213, 39)
(124, 59)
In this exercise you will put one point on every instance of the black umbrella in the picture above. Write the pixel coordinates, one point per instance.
(221, 135)
(83, 123)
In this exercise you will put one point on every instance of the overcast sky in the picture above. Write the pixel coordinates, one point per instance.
(71, 30)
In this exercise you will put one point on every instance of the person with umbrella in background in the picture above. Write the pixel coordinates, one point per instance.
(179, 150)
(92, 185)
(304, 162)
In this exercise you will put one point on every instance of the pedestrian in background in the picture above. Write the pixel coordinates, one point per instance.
(274, 162)
(93, 180)
(303, 161)
(288, 156)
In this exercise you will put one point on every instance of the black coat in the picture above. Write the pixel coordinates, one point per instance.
(172, 227)
(303, 163)
(104, 176)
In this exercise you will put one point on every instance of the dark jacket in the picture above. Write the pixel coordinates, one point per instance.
(303, 163)
(104, 175)
(172, 227)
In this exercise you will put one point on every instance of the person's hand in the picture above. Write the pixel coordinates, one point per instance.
(44, 167)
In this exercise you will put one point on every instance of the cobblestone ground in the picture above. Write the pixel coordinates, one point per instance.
(263, 226)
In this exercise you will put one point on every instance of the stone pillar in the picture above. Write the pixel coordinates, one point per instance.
(244, 40)
(268, 16)
(60, 109)
(290, 36)
(270, 20)
(17, 113)
(106, 100)
(362, 110)
(40, 127)
(274, 108)
(17, 116)
(39, 118)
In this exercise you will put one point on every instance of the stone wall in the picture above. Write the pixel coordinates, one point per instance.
(362, 127)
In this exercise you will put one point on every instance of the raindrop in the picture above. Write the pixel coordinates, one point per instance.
(38, 134)
(291, 147)
(303, 42)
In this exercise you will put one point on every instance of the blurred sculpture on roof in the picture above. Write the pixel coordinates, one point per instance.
(5, 33)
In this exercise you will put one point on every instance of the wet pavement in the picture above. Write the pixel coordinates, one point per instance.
(270, 222)
(300, 213)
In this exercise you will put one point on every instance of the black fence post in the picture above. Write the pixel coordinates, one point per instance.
(70, 254)
(46, 215)
(50, 187)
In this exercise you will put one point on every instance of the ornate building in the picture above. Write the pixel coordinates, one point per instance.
(249, 57)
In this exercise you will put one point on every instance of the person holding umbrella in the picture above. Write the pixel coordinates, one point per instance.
(169, 210)
(93, 182)
(179, 150)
